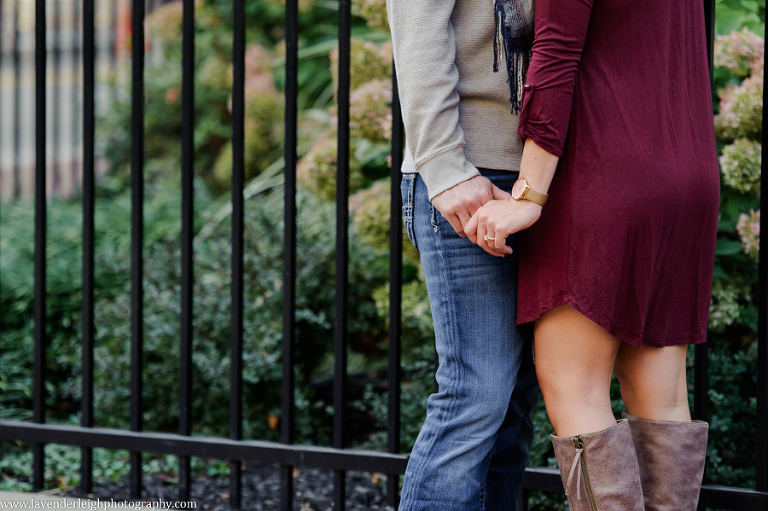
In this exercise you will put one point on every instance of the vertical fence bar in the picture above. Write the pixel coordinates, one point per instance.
(289, 248)
(75, 166)
(41, 340)
(56, 99)
(342, 251)
(137, 235)
(238, 180)
(2, 55)
(187, 222)
(709, 22)
(395, 293)
(87, 307)
(16, 57)
(761, 469)
(701, 360)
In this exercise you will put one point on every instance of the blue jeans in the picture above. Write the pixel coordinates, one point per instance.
(473, 448)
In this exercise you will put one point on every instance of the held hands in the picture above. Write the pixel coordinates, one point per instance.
(498, 219)
(458, 204)
(478, 209)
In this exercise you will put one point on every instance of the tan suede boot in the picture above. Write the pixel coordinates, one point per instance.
(671, 457)
(599, 470)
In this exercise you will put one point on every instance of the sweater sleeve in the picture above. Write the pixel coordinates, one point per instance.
(424, 47)
(561, 28)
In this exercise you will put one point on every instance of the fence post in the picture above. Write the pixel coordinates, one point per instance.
(86, 420)
(761, 459)
(187, 236)
(16, 176)
(238, 205)
(289, 247)
(41, 339)
(395, 293)
(701, 360)
(342, 251)
(137, 236)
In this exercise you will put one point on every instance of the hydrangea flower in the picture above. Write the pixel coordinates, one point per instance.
(749, 231)
(740, 165)
(370, 111)
(165, 22)
(741, 110)
(374, 12)
(316, 171)
(724, 307)
(370, 211)
(258, 72)
(259, 80)
(369, 61)
(741, 106)
(740, 52)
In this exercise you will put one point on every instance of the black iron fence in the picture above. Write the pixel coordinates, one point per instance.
(285, 454)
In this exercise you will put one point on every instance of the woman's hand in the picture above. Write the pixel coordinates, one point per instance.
(498, 219)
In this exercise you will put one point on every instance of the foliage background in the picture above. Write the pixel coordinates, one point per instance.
(733, 324)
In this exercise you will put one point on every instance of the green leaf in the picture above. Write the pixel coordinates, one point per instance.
(728, 247)
(750, 5)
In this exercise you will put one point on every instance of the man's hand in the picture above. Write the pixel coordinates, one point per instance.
(458, 204)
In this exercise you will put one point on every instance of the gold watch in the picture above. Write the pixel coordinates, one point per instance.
(522, 191)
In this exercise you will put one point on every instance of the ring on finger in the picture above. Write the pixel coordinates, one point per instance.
(489, 238)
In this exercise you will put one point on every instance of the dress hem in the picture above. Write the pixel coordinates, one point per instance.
(630, 339)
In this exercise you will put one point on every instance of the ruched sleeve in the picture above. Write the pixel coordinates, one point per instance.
(561, 28)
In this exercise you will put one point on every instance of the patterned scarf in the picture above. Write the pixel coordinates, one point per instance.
(514, 33)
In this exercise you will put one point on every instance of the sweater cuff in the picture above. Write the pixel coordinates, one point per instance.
(446, 170)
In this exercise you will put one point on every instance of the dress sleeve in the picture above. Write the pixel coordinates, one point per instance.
(560, 30)
(424, 47)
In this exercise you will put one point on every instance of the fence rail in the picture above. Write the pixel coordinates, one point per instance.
(337, 458)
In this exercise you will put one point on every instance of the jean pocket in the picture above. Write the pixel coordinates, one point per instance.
(407, 187)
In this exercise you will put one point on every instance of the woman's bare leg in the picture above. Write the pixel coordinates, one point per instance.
(653, 384)
(574, 361)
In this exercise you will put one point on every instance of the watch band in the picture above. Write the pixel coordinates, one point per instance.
(530, 194)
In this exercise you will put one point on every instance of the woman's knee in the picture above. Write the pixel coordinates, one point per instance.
(653, 381)
(574, 363)
(574, 355)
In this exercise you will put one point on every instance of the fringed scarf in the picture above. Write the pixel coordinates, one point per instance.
(514, 33)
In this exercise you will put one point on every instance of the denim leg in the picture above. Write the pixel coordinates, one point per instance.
(509, 456)
(473, 299)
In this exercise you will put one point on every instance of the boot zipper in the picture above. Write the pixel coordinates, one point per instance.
(578, 442)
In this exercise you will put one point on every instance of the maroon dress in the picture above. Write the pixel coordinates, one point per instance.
(619, 89)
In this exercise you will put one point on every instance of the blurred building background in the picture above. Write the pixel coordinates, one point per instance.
(64, 84)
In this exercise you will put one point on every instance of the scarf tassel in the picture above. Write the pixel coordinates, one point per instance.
(515, 58)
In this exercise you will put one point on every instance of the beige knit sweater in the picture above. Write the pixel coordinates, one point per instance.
(455, 108)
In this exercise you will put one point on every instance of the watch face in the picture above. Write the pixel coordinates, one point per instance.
(519, 188)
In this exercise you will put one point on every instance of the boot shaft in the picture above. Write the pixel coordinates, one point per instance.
(671, 457)
(600, 470)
